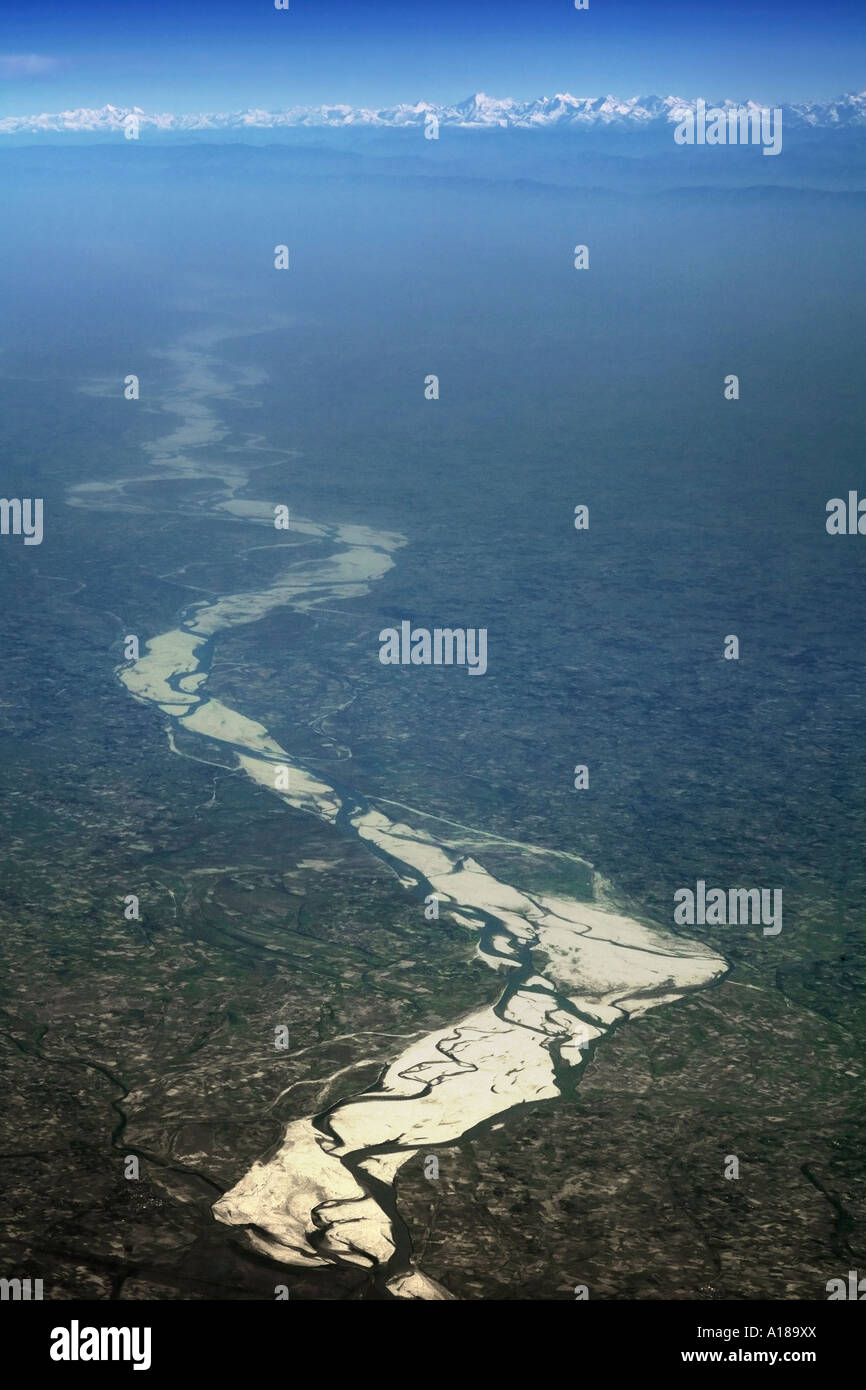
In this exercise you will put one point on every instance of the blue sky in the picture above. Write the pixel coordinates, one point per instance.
(193, 55)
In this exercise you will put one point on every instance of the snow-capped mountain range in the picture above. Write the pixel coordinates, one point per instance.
(480, 110)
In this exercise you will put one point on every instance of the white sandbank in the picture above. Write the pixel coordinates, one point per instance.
(594, 966)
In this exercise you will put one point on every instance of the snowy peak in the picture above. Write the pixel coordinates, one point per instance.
(561, 110)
